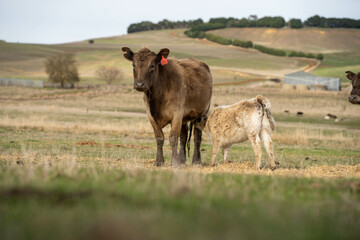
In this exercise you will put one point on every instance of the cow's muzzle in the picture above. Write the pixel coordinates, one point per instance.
(354, 99)
(140, 86)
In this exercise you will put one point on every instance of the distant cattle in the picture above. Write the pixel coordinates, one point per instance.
(246, 120)
(299, 114)
(354, 97)
(175, 92)
(330, 116)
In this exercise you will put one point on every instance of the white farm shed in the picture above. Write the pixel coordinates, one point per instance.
(303, 78)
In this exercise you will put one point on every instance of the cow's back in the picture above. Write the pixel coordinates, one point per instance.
(198, 82)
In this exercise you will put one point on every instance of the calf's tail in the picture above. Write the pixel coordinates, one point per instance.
(188, 140)
(265, 103)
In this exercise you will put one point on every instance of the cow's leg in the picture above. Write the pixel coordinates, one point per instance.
(216, 147)
(266, 139)
(176, 124)
(159, 135)
(197, 143)
(256, 145)
(183, 139)
(226, 152)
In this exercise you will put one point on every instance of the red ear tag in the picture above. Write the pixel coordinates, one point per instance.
(163, 61)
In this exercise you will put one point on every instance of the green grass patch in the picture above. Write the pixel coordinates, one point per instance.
(52, 187)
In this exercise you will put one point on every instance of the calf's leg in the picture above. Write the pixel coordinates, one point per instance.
(266, 139)
(197, 143)
(216, 147)
(226, 152)
(256, 145)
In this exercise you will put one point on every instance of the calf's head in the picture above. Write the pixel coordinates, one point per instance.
(145, 66)
(355, 92)
(200, 122)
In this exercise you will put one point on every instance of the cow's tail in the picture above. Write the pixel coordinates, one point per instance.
(188, 140)
(265, 103)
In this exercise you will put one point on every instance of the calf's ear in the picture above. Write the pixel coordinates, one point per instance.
(350, 75)
(163, 52)
(128, 54)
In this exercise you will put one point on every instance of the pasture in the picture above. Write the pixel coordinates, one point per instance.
(79, 165)
(340, 47)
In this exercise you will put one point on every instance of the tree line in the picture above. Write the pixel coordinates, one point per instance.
(249, 44)
(164, 24)
(251, 21)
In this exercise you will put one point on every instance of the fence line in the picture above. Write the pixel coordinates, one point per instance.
(22, 82)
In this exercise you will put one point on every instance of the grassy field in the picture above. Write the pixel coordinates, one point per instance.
(79, 165)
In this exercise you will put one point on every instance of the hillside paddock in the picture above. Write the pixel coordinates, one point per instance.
(78, 164)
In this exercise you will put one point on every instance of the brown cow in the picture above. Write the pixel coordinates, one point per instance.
(355, 92)
(175, 92)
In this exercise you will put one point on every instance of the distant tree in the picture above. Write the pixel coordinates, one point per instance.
(109, 74)
(275, 22)
(195, 34)
(195, 22)
(220, 20)
(319, 56)
(62, 68)
(239, 23)
(315, 21)
(253, 18)
(91, 41)
(296, 23)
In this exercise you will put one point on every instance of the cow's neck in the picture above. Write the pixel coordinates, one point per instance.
(156, 96)
(160, 86)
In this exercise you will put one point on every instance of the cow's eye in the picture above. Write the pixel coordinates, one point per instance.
(133, 65)
(152, 67)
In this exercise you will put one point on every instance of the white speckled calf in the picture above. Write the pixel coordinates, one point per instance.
(246, 120)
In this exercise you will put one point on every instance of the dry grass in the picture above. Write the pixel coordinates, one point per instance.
(43, 123)
(72, 166)
(324, 171)
(306, 39)
(101, 115)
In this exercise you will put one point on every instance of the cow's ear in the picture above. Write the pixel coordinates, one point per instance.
(350, 75)
(163, 52)
(128, 54)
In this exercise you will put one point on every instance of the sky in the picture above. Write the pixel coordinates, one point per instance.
(62, 21)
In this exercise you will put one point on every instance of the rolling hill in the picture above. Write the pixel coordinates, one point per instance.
(228, 64)
(316, 40)
(341, 47)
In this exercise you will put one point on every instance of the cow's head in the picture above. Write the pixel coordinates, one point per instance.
(355, 92)
(145, 66)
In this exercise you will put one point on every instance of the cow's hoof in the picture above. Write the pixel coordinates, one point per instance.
(176, 164)
(272, 168)
(196, 163)
(158, 163)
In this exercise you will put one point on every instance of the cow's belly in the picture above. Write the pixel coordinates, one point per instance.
(238, 137)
